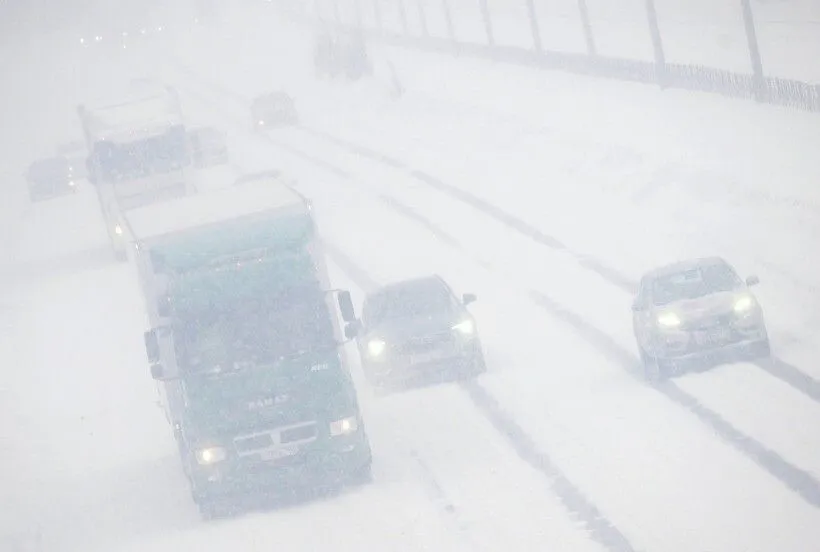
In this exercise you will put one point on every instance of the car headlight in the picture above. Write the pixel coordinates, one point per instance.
(118, 230)
(466, 327)
(376, 347)
(669, 320)
(261, 123)
(345, 426)
(71, 183)
(210, 455)
(744, 304)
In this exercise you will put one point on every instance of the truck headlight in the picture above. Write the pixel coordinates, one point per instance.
(669, 320)
(210, 455)
(345, 426)
(376, 347)
(744, 304)
(466, 327)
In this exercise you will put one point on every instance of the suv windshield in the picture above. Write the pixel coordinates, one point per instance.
(409, 300)
(694, 283)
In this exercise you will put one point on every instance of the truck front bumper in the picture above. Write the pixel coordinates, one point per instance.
(341, 459)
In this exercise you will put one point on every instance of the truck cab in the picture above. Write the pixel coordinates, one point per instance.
(245, 342)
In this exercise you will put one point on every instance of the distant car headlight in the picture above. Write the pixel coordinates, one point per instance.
(345, 426)
(669, 320)
(376, 347)
(71, 183)
(210, 455)
(261, 122)
(744, 304)
(118, 230)
(465, 327)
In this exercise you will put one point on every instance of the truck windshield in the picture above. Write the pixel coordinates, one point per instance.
(260, 333)
(159, 154)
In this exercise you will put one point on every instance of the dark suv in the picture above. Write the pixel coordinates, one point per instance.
(415, 329)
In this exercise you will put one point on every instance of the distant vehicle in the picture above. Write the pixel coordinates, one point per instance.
(139, 153)
(209, 146)
(245, 343)
(50, 178)
(418, 328)
(273, 109)
(693, 309)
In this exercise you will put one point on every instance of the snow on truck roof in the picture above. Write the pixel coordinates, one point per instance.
(249, 196)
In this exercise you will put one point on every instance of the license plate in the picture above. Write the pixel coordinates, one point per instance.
(713, 337)
(272, 455)
(421, 358)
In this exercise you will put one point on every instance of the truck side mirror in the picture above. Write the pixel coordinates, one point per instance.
(752, 280)
(346, 306)
(157, 371)
(151, 346)
(352, 329)
(468, 298)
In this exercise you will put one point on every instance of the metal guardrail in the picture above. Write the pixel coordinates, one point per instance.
(756, 85)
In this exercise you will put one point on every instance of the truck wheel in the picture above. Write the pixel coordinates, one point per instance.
(363, 475)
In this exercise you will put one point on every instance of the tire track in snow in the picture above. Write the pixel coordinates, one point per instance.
(795, 479)
(777, 368)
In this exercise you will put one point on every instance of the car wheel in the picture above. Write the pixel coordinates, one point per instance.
(478, 364)
(654, 369)
(760, 350)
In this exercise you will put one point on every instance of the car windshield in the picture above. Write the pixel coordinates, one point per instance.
(408, 301)
(258, 333)
(694, 283)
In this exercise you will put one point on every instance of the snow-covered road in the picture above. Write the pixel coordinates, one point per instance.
(559, 447)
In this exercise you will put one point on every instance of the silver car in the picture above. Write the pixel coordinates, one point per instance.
(695, 309)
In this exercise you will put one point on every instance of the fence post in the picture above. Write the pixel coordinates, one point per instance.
(448, 17)
(422, 18)
(357, 8)
(488, 24)
(403, 16)
(534, 28)
(657, 43)
(754, 49)
(336, 15)
(590, 40)
(377, 15)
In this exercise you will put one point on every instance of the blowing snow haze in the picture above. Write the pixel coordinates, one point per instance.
(359, 275)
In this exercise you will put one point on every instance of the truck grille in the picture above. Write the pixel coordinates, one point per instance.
(262, 442)
(427, 343)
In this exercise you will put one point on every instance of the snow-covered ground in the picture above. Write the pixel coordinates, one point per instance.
(533, 190)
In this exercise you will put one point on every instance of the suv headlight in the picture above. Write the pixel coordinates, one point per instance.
(345, 426)
(744, 304)
(669, 320)
(210, 455)
(376, 347)
(466, 327)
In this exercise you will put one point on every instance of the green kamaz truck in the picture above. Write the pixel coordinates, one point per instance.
(245, 342)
